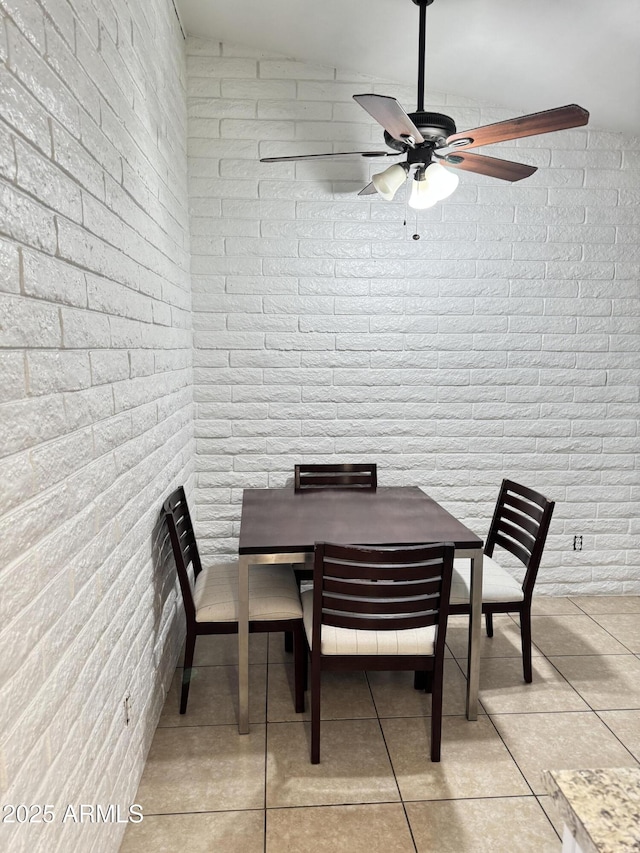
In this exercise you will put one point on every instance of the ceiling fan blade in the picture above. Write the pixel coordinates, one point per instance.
(547, 121)
(368, 190)
(505, 170)
(333, 154)
(388, 112)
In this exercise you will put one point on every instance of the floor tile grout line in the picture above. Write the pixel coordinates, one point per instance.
(521, 772)
(591, 617)
(606, 613)
(575, 689)
(393, 770)
(621, 742)
(202, 811)
(609, 632)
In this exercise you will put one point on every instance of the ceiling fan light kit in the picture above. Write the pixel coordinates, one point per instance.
(429, 141)
(431, 185)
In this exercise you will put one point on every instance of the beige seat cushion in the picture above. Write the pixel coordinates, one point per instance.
(347, 641)
(497, 583)
(273, 594)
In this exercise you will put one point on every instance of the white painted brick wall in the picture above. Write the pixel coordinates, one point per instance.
(96, 402)
(505, 342)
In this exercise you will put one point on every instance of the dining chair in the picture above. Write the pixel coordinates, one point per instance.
(520, 525)
(378, 609)
(333, 475)
(211, 601)
(336, 475)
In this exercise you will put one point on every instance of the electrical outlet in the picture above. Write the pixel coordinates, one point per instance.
(577, 543)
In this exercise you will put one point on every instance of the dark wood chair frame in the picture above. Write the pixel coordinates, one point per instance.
(353, 589)
(185, 552)
(520, 525)
(344, 476)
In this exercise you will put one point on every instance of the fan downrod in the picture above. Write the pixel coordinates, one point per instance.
(422, 48)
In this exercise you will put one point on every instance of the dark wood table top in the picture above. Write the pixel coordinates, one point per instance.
(281, 521)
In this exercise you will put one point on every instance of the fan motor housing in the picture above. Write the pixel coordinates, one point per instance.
(434, 127)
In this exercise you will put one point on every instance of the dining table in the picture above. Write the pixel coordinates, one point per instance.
(282, 526)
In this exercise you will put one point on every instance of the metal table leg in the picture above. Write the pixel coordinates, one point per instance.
(244, 562)
(243, 645)
(475, 623)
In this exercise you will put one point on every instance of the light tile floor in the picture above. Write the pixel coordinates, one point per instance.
(207, 788)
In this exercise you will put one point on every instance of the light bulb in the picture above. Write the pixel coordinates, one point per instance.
(388, 183)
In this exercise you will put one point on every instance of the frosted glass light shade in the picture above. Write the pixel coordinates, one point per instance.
(388, 183)
(441, 181)
(422, 195)
(435, 184)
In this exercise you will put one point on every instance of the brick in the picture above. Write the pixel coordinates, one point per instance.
(12, 376)
(84, 329)
(21, 110)
(300, 110)
(290, 69)
(221, 67)
(108, 366)
(27, 323)
(99, 147)
(256, 90)
(9, 267)
(208, 106)
(212, 187)
(81, 247)
(45, 277)
(24, 423)
(75, 160)
(8, 167)
(40, 177)
(28, 17)
(27, 221)
(52, 372)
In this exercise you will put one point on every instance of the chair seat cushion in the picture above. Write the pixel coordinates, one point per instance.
(348, 641)
(497, 583)
(273, 594)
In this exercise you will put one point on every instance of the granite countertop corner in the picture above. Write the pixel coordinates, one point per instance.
(600, 807)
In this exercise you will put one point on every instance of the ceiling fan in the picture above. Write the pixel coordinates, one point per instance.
(430, 141)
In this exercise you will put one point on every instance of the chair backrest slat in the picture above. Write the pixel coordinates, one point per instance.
(381, 589)
(390, 572)
(510, 518)
(184, 545)
(514, 547)
(520, 525)
(342, 476)
(393, 606)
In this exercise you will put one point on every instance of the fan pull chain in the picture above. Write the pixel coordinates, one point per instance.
(415, 235)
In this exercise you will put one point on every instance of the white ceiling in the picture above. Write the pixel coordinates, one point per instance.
(528, 55)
